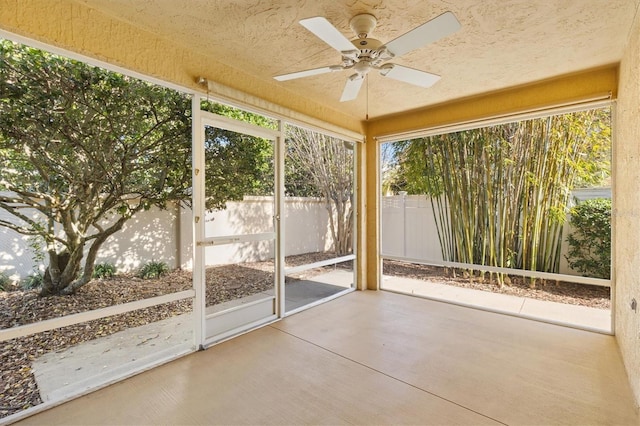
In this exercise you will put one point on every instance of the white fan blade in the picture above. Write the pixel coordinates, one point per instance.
(433, 30)
(409, 75)
(307, 73)
(326, 32)
(352, 88)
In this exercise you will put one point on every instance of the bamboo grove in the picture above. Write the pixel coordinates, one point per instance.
(500, 194)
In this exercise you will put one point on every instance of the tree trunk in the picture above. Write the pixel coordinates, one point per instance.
(61, 276)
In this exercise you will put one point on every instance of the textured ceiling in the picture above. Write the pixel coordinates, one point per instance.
(502, 43)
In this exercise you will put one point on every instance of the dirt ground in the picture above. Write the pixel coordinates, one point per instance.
(18, 388)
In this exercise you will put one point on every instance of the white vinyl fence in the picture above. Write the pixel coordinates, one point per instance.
(166, 236)
(409, 229)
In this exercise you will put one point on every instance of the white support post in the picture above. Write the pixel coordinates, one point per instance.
(198, 154)
(280, 220)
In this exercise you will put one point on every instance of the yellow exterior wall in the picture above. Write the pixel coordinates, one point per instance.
(626, 214)
(544, 94)
(76, 28)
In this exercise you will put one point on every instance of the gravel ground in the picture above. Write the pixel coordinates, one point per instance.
(18, 388)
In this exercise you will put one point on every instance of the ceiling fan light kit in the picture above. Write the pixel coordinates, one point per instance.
(364, 54)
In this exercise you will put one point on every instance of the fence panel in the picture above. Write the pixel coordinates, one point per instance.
(166, 236)
(409, 229)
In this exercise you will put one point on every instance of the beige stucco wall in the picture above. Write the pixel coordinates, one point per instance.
(626, 213)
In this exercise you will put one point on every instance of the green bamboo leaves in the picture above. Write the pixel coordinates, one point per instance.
(500, 194)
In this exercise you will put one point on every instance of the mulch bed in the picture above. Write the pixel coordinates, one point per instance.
(18, 388)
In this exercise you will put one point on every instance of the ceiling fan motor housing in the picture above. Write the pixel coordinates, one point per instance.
(366, 44)
(363, 24)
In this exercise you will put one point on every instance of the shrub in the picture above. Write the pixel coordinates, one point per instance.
(104, 270)
(5, 281)
(34, 280)
(153, 269)
(590, 242)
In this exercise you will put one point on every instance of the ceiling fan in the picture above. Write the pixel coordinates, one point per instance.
(365, 54)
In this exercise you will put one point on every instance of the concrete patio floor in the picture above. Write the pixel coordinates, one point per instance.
(75, 370)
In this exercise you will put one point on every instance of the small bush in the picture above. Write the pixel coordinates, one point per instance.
(104, 270)
(5, 282)
(590, 242)
(34, 280)
(153, 269)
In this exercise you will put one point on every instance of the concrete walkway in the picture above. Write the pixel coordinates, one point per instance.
(572, 315)
(106, 359)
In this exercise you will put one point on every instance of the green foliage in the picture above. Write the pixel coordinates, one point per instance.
(36, 246)
(33, 281)
(239, 114)
(502, 191)
(5, 281)
(236, 164)
(104, 270)
(84, 146)
(590, 242)
(239, 165)
(153, 270)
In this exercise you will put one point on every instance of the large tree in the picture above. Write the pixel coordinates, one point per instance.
(327, 163)
(86, 149)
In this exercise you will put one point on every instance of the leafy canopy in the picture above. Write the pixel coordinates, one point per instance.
(86, 149)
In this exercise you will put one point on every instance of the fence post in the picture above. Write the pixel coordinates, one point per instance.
(403, 194)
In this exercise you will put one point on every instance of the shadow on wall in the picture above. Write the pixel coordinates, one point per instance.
(306, 226)
(149, 235)
(16, 258)
(166, 236)
(409, 229)
(306, 229)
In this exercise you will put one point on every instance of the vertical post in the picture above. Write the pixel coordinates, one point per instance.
(355, 199)
(197, 203)
(403, 194)
(279, 153)
(614, 169)
(372, 213)
(360, 214)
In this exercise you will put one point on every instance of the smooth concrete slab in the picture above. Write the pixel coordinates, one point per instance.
(561, 313)
(514, 370)
(467, 296)
(378, 358)
(597, 319)
(266, 377)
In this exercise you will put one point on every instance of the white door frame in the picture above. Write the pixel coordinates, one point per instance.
(228, 319)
